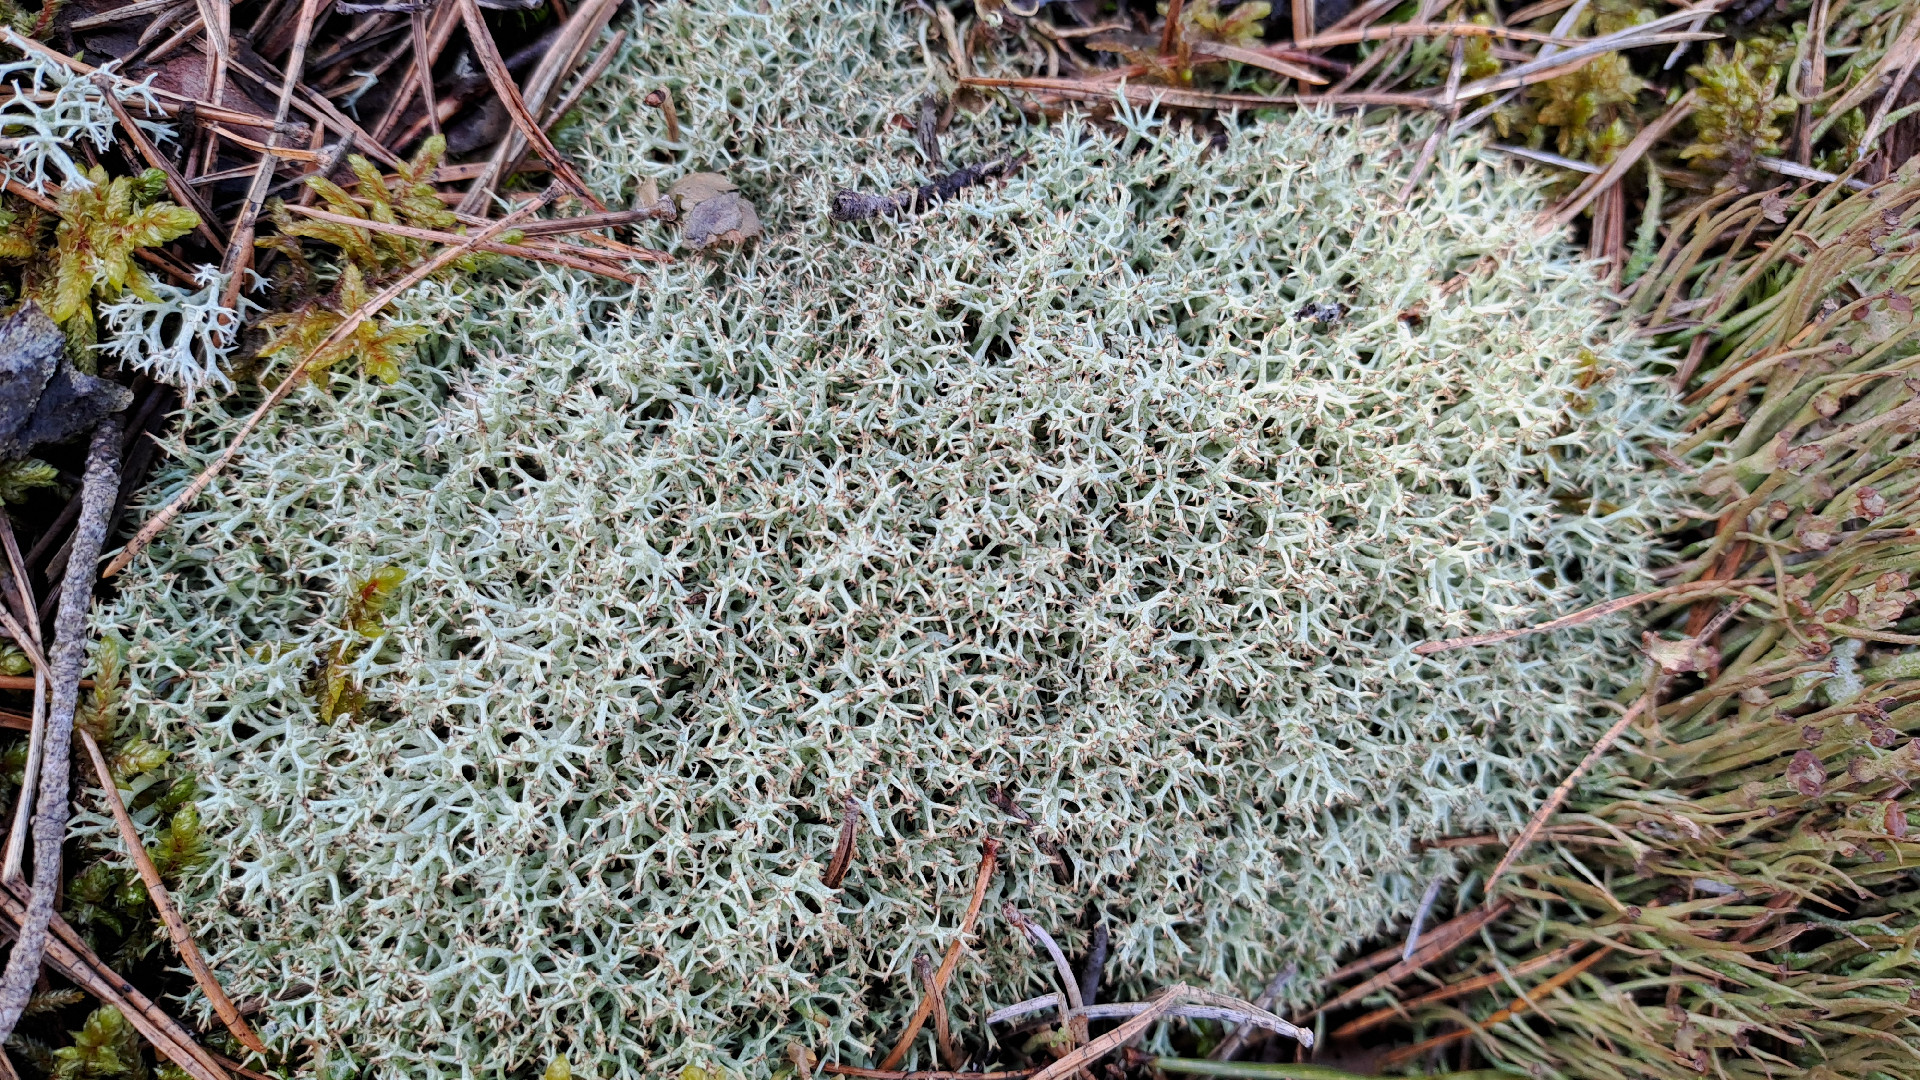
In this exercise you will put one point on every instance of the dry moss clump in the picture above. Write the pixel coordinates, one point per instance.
(525, 693)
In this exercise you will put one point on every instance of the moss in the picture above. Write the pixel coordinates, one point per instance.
(1047, 490)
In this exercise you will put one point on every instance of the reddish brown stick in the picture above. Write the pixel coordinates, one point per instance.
(989, 855)
(163, 903)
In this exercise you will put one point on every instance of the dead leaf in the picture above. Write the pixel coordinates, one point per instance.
(1773, 208)
(714, 211)
(1674, 657)
(1896, 819)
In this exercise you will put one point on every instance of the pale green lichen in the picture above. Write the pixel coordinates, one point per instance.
(1047, 488)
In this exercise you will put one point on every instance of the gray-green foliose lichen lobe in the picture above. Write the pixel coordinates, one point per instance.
(1045, 490)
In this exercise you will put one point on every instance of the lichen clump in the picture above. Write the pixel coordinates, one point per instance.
(1120, 490)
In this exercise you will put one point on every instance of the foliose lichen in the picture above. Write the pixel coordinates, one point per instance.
(1044, 490)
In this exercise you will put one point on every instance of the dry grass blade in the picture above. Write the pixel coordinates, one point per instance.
(1106, 1044)
(1448, 993)
(1565, 787)
(1427, 30)
(163, 517)
(1513, 1009)
(1443, 938)
(989, 857)
(1604, 180)
(182, 192)
(942, 1029)
(239, 254)
(1166, 96)
(1588, 614)
(1258, 58)
(932, 1074)
(177, 931)
(926, 1075)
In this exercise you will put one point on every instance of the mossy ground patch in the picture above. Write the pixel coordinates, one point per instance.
(1048, 489)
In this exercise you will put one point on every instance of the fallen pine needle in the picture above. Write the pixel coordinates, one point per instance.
(1515, 1008)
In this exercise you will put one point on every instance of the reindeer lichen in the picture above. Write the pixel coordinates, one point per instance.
(1044, 494)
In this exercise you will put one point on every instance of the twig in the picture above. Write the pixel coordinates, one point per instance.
(182, 938)
(1269, 994)
(1565, 787)
(843, 846)
(1040, 937)
(68, 954)
(240, 240)
(660, 211)
(853, 206)
(156, 524)
(989, 855)
(1074, 1061)
(1588, 614)
(1806, 172)
(101, 486)
(1420, 917)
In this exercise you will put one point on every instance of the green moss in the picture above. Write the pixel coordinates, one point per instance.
(1047, 490)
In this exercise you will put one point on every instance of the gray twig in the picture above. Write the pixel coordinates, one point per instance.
(1420, 917)
(1040, 937)
(853, 206)
(1232, 1043)
(101, 487)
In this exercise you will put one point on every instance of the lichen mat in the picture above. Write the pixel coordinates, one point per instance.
(525, 693)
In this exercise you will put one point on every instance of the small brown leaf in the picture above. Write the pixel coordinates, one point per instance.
(1807, 774)
(714, 211)
(1674, 657)
(1773, 208)
(1896, 819)
(1899, 303)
